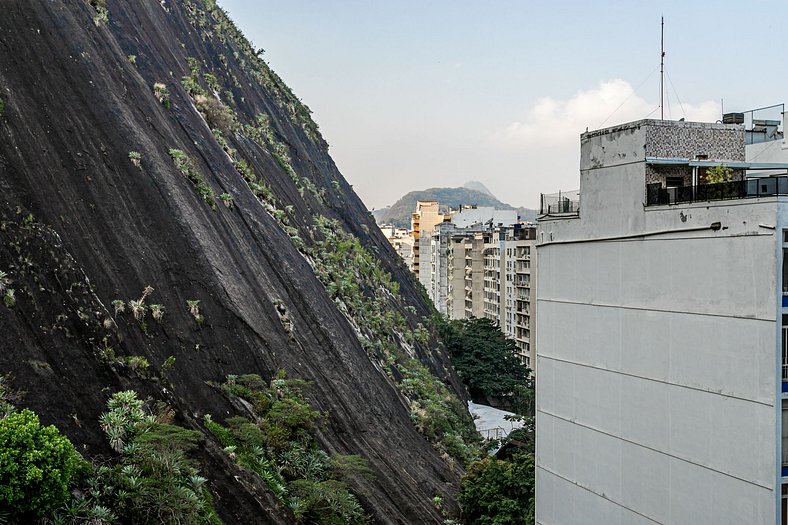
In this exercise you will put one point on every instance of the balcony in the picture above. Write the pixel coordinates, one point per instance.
(561, 203)
(751, 188)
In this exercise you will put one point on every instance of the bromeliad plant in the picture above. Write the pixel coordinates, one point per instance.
(280, 447)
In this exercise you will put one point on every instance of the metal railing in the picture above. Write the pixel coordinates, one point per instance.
(493, 433)
(560, 203)
(738, 189)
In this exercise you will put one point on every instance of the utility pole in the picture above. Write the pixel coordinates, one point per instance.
(662, 69)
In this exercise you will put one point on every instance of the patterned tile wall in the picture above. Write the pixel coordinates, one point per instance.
(672, 139)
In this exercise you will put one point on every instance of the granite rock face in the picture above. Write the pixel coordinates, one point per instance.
(110, 184)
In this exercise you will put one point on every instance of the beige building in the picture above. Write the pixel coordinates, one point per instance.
(422, 224)
(401, 240)
(455, 300)
(465, 275)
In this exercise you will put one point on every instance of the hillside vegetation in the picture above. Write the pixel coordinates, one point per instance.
(200, 321)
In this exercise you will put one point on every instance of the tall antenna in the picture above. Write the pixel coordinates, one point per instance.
(662, 69)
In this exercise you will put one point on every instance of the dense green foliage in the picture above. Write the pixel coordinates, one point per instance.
(488, 363)
(496, 492)
(364, 291)
(36, 465)
(154, 481)
(280, 447)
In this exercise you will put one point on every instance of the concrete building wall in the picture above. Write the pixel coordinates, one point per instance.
(770, 151)
(474, 276)
(657, 398)
(456, 277)
(663, 386)
(438, 287)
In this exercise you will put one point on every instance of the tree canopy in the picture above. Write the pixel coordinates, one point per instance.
(487, 362)
(496, 492)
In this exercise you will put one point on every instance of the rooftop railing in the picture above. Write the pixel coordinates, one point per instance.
(563, 202)
(739, 189)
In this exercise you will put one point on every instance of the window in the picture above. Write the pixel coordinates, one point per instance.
(784, 436)
(785, 270)
(785, 350)
(674, 182)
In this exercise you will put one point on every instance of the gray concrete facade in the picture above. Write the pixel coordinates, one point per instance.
(659, 394)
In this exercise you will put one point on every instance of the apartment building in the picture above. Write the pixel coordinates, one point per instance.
(520, 297)
(507, 284)
(473, 275)
(460, 223)
(479, 265)
(401, 240)
(491, 295)
(422, 224)
(662, 354)
(438, 286)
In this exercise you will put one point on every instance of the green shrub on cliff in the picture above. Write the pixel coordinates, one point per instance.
(36, 466)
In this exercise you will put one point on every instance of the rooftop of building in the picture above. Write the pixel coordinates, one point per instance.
(677, 155)
(660, 123)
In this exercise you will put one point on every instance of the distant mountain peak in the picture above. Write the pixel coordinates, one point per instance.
(399, 213)
(478, 186)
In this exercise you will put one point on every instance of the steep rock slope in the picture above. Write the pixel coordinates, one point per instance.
(197, 216)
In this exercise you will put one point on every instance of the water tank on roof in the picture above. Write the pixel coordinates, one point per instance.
(733, 118)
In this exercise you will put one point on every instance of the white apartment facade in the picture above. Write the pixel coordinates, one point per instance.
(508, 286)
(660, 353)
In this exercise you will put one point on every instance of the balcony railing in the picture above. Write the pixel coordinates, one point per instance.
(738, 189)
(563, 202)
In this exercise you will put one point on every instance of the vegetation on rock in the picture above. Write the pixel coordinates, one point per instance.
(154, 481)
(278, 444)
(496, 492)
(146, 229)
(185, 165)
(355, 280)
(162, 94)
(37, 464)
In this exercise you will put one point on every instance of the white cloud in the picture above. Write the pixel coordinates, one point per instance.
(547, 139)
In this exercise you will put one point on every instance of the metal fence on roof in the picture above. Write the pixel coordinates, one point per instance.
(560, 202)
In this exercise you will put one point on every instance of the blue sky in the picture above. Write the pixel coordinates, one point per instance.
(412, 95)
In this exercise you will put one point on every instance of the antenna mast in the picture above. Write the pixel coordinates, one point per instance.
(662, 69)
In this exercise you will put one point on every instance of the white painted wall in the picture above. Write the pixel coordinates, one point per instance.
(656, 397)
